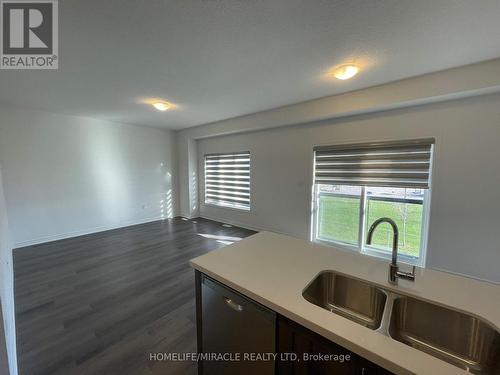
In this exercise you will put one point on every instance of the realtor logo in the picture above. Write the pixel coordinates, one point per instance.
(29, 34)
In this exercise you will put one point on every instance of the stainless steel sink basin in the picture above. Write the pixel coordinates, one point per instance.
(351, 298)
(455, 337)
(459, 338)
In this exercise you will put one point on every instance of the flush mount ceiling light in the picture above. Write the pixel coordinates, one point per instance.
(157, 103)
(346, 71)
(161, 106)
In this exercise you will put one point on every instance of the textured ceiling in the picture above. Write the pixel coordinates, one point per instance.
(218, 59)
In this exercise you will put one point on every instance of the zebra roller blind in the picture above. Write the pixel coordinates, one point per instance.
(396, 164)
(227, 179)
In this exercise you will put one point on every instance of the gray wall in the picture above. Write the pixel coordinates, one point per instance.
(7, 286)
(462, 82)
(65, 176)
(464, 218)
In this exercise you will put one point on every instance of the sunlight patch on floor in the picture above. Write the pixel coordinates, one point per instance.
(226, 240)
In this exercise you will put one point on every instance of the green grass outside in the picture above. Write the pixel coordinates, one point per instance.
(339, 220)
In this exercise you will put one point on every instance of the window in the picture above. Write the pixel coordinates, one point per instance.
(227, 180)
(355, 185)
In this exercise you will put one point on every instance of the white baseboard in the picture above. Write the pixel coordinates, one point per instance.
(45, 239)
(233, 222)
(243, 225)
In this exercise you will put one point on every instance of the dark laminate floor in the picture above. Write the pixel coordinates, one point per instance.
(99, 304)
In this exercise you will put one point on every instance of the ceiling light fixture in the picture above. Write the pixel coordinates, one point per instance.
(161, 106)
(344, 72)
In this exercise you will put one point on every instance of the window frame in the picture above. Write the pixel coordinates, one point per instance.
(361, 247)
(316, 237)
(420, 261)
(229, 206)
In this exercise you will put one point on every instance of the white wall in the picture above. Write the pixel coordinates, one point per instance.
(65, 176)
(7, 285)
(187, 182)
(465, 207)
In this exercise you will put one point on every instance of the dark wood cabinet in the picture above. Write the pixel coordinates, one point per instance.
(316, 355)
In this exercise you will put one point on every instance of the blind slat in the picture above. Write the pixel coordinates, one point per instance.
(225, 199)
(234, 173)
(221, 181)
(375, 168)
(231, 193)
(227, 179)
(227, 161)
(227, 186)
(229, 167)
(396, 164)
(227, 156)
(374, 174)
(374, 165)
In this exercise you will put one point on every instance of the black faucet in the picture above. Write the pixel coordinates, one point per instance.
(394, 272)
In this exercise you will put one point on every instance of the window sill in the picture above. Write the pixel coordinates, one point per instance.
(239, 209)
(340, 245)
(402, 258)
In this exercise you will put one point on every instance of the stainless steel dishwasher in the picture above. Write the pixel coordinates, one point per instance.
(232, 323)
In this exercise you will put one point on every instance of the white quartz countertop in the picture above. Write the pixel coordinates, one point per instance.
(274, 269)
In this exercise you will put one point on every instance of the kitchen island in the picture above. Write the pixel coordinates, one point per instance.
(274, 270)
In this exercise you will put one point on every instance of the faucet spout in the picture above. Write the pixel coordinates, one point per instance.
(394, 272)
(395, 238)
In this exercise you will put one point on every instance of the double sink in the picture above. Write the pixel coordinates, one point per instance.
(456, 337)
